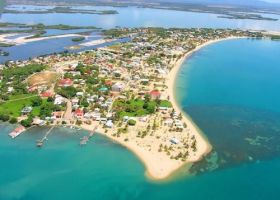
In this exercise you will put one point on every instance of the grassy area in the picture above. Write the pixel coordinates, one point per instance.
(165, 103)
(20, 96)
(137, 107)
(14, 106)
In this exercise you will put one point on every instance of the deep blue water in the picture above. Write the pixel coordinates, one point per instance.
(127, 17)
(214, 87)
(231, 91)
(50, 46)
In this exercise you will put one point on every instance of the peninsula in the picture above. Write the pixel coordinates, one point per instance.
(124, 91)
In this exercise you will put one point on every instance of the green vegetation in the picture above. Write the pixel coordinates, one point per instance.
(117, 33)
(131, 122)
(165, 103)
(246, 16)
(67, 92)
(4, 117)
(134, 108)
(138, 107)
(275, 37)
(60, 9)
(13, 107)
(78, 39)
(41, 108)
(6, 45)
(13, 120)
(20, 73)
(27, 122)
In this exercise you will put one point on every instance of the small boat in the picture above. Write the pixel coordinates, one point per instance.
(40, 144)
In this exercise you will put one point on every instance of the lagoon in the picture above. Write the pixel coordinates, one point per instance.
(139, 17)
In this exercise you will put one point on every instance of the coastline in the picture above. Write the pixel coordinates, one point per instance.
(157, 165)
(24, 40)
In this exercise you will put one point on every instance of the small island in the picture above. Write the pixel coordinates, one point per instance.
(6, 44)
(124, 91)
(246, 16)
(62, 9)
(78, 39)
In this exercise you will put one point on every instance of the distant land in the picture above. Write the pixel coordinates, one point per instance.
(226, 8)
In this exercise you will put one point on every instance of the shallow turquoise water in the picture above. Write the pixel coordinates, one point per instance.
(247, 166)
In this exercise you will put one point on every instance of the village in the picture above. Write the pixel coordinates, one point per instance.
(123, 91)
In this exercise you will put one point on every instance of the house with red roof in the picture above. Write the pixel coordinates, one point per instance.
(47, 94)
(108, 82)
(65, 82)
(155, 94)
(79, 113)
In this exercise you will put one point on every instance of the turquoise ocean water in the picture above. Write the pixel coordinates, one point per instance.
(230, 89)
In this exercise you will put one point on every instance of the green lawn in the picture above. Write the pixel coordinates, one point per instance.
(13, 107)
(165, 103)
(137, 108)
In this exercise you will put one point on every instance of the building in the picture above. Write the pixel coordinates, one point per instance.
(118, 87)
(65, 82)
(58, 114)
(109, 124)
(78, 113)
(155, 94)
(46, 94)
(58, 100)
(26, 110)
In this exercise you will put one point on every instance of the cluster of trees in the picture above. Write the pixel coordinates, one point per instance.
(5, 118)
(20, 73)
(78, 39)
(116, 33)
(134, 107)
(27, 122)
(48, 108)
(68, 92)
(83, 69)
(131, 122)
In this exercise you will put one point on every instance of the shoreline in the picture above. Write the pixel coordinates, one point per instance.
(171, 82)
(153, 161)
(24, 40)
(158, 165)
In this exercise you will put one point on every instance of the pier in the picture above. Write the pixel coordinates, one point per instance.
(40, 143)
(17, 132)
(85, 139)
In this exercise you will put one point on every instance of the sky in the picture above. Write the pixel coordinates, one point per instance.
(272, 1)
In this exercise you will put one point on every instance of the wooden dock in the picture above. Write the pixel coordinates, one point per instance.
(85, 139)
(40, 143)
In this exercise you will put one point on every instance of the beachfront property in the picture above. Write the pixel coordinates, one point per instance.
(125, 90)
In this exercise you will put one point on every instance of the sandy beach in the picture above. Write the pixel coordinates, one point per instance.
(95, 42)
(24, 40)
